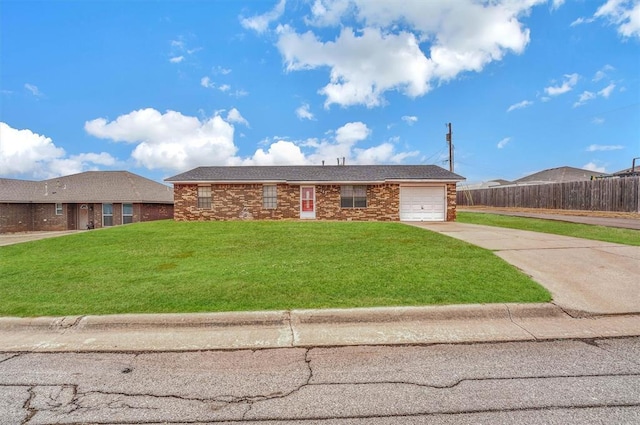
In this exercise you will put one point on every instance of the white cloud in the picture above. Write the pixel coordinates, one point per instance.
(207, 83)
(224, 88)
(352, 133)
(33, 89)
(584, 98)
(176, 142)
(624, 14)
(234, 116)
(598, 148)
(520, 105)
(279, 153)
(502, 143)
(180, 51)
(602, 73)
(260, 23)
(410, 119)
(383, 53)
(27, 154)
(597, 120)
(568, 83)
(592, 166)
(169, 141)
(581, 20)
(587, 95)
(606, 92)
(303, 112)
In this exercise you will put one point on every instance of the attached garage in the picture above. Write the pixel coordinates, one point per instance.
(423, 203)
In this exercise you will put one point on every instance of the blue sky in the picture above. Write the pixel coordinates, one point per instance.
(160, 87)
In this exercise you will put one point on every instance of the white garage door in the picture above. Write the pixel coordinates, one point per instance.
(422, 203)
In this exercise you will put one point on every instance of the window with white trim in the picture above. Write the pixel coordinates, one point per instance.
(107, 215)
(353, 196)
(270, 197)
(127, 213)
(58, 209)
(204, 197)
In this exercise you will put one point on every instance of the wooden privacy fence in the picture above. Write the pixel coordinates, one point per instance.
(610, 194)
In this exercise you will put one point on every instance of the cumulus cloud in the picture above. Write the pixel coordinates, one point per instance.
(410, 119)
(519, 105)
(304, 113)
(598, 148)
(260, 23)
(568, 83)
(24, 153)
(234, 116)
(624, 14)
(592, 166)
(176, 59)
(176, 142)
(502, 143)
(379, 47)
(170, 141)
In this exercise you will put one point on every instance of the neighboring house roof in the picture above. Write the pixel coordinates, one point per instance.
(627, 172)
(317, 174)
(90, 186)
(559, 175)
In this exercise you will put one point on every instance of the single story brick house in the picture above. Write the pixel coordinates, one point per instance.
(338, 192)
(80, 201)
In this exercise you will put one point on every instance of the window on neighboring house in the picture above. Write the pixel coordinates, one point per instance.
(204, 196)
(270, 197)
(58, 209)
(107, 215)
(353, 196)
(127, 213)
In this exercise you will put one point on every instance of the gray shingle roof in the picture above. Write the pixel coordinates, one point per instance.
(90, 186)
(317, 173)
(559, 175)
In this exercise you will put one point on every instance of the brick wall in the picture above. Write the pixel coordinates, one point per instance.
(451, 201)
(244, 201)
(42, 217)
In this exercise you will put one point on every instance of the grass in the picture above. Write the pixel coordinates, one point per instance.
(166, 266)
(585, 231)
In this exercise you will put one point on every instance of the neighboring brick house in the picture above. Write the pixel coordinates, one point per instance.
(338, 192)
(81, 201)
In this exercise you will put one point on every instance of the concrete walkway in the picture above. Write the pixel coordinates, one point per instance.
(595, 286)
(585, 277)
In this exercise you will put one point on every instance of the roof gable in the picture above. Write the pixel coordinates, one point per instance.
(317, 174)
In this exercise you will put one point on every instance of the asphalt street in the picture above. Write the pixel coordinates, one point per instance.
(568, 381)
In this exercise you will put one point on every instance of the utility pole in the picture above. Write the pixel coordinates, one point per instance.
(450, 141)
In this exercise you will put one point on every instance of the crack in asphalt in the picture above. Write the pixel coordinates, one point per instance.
(11, 357)
(77, 398)
(602, 344)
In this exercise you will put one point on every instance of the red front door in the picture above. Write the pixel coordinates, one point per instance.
(307, 202)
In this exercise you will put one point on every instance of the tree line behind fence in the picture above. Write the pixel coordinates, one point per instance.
(609, 194)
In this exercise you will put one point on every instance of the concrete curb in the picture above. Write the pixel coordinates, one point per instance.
(282, 317)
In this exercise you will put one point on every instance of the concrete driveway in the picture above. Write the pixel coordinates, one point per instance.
(585, 277)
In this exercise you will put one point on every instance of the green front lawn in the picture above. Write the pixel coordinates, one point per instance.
(578, 230)
(166, 266)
